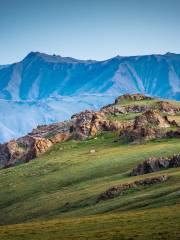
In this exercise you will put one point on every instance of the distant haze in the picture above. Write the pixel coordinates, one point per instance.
(84, 29)
(43, 89)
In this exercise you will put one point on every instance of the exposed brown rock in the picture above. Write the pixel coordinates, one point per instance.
(165, 106)
(173, 120)
(132, 97)
(151, 117)
(134, 108)
(150, 165)
(147, 126)
(113, 109)
(119, 190)
(89, 124)
(118, 110)
(174, 161)
(22, 150)
(156, 164)
(83, 125)
(56, 132)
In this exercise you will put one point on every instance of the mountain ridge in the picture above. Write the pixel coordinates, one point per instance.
(34, 75)
(50, 88)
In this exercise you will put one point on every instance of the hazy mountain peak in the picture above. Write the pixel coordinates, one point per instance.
(54, 58)
(47, 88)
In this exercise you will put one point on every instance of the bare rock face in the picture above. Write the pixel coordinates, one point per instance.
(147, 126)
(22, 150)
(151, 180)
(119, 190)
(89, 124)
(85, 124)
(165, 106)
(115, 191)
(134, 108)
(173, 120)
(174, 161)
(132, 97)
(151, 117)
(56, 132)
(113, 109)
(118, 110)
(156, 164)
(150, 165)
(82, 126)
(35, 143)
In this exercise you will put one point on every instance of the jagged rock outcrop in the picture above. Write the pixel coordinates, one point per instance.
(119, 190)
(82, 126)
(167, 107)
(113, 109)
(35, 143)
(118, 110)
(174, 161)
(22, 150)
(147, 126)
(173, 120)
(56, 132)
(150, 165)
(134, 108)
(132, 97)
(89, 124)
(156, 164)
(152, 118)
(150, 124)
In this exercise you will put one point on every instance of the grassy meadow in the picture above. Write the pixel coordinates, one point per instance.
(54, 196)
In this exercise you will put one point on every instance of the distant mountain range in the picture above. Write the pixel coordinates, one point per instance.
(43, 88)
(39, 76)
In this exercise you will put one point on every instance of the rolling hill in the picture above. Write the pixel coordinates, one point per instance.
(55, 195)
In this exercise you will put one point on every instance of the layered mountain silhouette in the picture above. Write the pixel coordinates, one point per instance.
(39, 76)
(43, 88)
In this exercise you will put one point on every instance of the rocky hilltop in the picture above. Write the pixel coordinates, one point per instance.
(136, 117)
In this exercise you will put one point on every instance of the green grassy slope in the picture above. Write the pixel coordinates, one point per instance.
(54, 196)
(64, 183)
(161, 223)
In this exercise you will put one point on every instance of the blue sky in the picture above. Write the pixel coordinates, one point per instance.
(94, 29)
